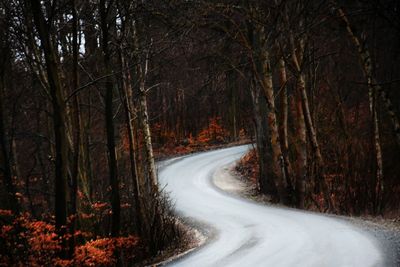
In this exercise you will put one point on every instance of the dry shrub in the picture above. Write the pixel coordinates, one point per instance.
(248, 166)
(162, 230)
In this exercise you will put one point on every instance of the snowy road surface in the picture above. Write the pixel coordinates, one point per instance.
(250, 234)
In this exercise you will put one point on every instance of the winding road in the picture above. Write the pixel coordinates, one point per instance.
(245, 233)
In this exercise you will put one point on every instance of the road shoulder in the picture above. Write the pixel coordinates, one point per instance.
(386, 232)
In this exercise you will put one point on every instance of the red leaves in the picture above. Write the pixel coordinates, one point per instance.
(86, 216)
(98, 206)
(101, 252)
(26, 242)
(125, 206)
(213, 133)
(5, 213)
(249, 167)
(42, 237)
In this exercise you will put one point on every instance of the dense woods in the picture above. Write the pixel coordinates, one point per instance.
(92, 93)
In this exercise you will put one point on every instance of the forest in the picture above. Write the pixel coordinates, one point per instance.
(95, 94)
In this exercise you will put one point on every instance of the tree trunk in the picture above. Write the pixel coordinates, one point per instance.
(314, 142)
(366, 64)
(374, 88)
(129, 114)
(108, 100)
(145, 125)
(59, 119)
(11, 199)
(265, 184)
(283, 96)
(141, 71)
(283, 126)
(7, 151)
(301, 149)
(77, 140)
(297, 56)
(277, 156)
(379, 186)
(231, 86)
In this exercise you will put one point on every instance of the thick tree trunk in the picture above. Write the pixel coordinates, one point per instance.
(283, 119)
(90, 56)
(263, 75)
(77, 138)
(6, 156)
(108, 100)
(6, 166)
(265, 184)
(277, 156)
(297, 57)
(301, 149)
(59, 120)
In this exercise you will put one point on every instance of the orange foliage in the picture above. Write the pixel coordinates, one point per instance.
(204, 136)
(248, 166)
(5, 213)
(99, 206)
(26, 242)
(191, 140)
(42, 237)
(213, 134)
(86, 216)
(242, 134)
(101, 252)
(162, 135)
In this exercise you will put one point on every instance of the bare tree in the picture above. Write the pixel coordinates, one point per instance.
(106, 23)
(43, 27)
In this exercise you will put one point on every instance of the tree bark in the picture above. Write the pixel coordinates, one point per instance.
(301, 149)
(314, 142)
(11, 199)
(379, 185)
(265, 184)
(77, 139)
(145, 125)
(373, 89)
(366, 64)
(6, 150)
(129, 114)
(283, 97)
(231, 86)
(108, 100)
(283, 125)
(277, 156)
(141, 71)
(59, 119)
(296, 57)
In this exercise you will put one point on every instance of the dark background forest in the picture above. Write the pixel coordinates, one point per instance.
(93, 93)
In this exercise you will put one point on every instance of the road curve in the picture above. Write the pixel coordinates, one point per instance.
(250, 234)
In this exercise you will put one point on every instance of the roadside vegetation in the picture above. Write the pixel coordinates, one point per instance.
(92, 93)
